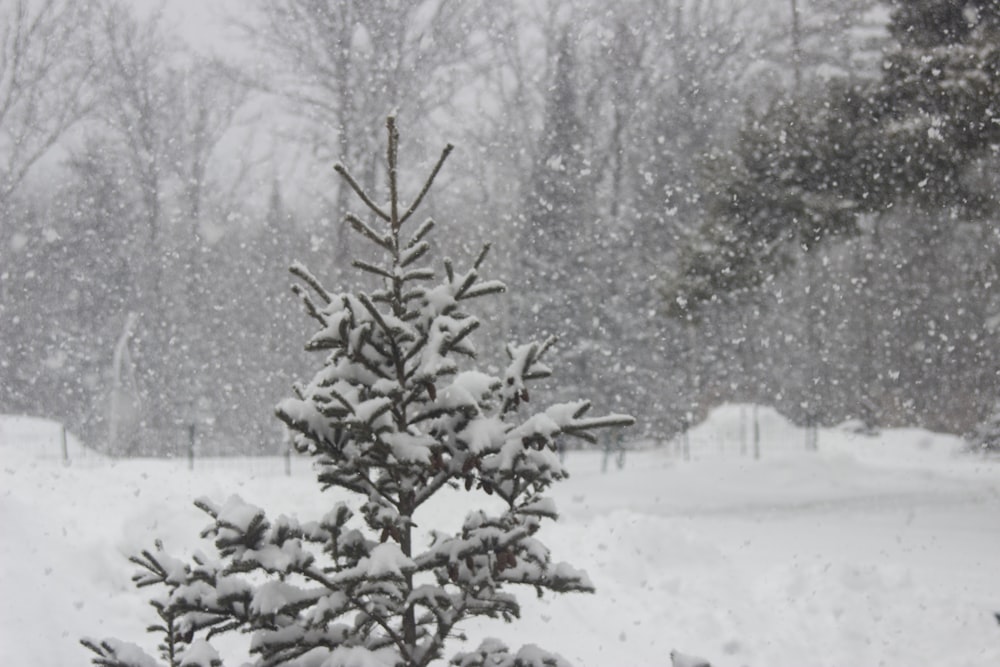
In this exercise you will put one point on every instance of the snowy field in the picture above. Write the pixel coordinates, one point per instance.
(876, 551)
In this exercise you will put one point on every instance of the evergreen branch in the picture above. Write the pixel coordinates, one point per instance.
(427, 186)
(375, 415)
(361, 358)
(580, 428)
(467, 282)
(538, 374)
(392, 155)
(152, 565)
(542, 349)
(340, 169)
(377, 316)
(107, 654)
(432, 487)
(372, 366)
(421, 232)
(282, 655)
(508, 609)
(466, 352)
(608, 421)
(482, 255)
(357, 482)
(483, 289)
(509, 497)
(324, 343)
(478, 547)
(308, 303)
(333, 411)
(198, 618)
(331, 478)
(453, 344)
(371, 268)
(449, 270)
(413, 253)
(340, 399)
(234, 624)
(435, 413)
(582, 435)
(300, 271)
(410, 315)
(320, 578)
(418, 274)
(415, 349)
(304, 427)
(362, 228)
(207, 506)
(445, 622)
(415, 293)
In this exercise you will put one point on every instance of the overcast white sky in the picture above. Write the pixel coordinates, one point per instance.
(201, 22)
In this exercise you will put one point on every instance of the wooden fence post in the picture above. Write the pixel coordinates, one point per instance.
(191, 433)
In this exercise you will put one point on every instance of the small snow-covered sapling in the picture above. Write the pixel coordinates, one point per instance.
(396, 414)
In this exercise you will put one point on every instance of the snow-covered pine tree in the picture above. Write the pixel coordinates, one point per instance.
(393, 418)
(559, 275)
(940, 83)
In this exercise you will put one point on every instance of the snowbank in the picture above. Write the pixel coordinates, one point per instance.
(38, 438)
(873, 551)
(727, 433)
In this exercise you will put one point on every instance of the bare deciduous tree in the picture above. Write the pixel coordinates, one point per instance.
(44, 81)
(343, 65)
(163, 115)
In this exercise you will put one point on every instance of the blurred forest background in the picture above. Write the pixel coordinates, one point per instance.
(785, 202)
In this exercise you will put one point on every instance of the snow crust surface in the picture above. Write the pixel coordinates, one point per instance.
(876, 550)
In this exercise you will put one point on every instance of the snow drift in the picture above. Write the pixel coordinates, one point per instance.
(873, 551)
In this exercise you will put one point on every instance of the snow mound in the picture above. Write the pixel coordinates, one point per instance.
(728, 429)
(25, 437)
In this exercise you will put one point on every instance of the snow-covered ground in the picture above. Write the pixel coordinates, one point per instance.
(874, 551)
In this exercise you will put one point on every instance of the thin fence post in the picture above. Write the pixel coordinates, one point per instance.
(685, 436)
(288, 459)
(743, 429)
(756, 434)
(191, 433)
(65, 445)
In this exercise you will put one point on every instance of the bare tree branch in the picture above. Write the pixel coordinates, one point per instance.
(45, 82)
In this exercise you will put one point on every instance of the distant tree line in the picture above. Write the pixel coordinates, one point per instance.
(792, 205)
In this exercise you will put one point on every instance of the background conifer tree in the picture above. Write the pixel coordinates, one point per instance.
(939, 89)
(560, 274)
(393, 418)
